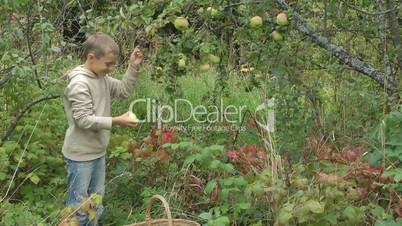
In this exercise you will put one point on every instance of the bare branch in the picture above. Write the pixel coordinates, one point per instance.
(6, 78)
(28, 36)
(340, 53)
(19, 116)
(381, 12)
(394, 30)
(381, 24)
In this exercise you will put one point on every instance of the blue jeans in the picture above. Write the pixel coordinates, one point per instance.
(83, 179)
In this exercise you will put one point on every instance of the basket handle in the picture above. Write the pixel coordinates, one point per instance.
(165, 205)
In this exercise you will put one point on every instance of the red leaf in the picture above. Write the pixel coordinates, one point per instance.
(147, 140)
(354, 154)
(168, 136)
(162, 154)
(215, 194)
(232, 154)
(194, 180)
(250, 123)
(398, 211)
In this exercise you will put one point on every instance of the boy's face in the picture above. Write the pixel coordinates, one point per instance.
(103, 65)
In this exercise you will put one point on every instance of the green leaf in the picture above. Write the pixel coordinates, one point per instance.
(225, 193)
(205, 216)
(284, 217)
(227, 181)
(374, 157)
(378, 211)
(2, 176)
(396, 173)
(34, 178)
(223, 219)
(244, 205)
(314, 206)
(210, 186)
(331, 218)
(259, 223)
(228, 168)
(190, 159)
(214, 164)
(353, 214)
(240, 181)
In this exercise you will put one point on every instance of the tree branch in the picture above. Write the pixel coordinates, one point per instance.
(381, 12)
(7, 70)
(28, 36)
(340, 53)
(4, 80)
(21, 113)
(381, 24)
(394, 30)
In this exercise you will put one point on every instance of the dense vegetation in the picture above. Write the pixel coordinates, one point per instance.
(333, 69)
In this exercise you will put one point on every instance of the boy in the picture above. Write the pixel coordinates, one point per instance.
(87, 106)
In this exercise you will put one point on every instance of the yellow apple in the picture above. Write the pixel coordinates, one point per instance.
(205, 67)
(181, 23)
(133, 117)
(87, 204)
(74, 222)
(282, 19)
(259, 75)
(256, 21)
(91, 214)
(214, 59)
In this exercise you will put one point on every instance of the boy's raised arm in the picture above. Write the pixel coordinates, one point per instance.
(123, 88)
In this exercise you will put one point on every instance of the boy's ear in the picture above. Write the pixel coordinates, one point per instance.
(90, 56)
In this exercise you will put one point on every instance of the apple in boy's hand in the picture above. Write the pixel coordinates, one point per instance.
(133, 117)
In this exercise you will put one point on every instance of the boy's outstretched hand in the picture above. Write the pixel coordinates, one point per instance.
(124, 120)
(136, 58)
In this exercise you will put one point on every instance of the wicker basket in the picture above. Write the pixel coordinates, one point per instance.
(162, 222)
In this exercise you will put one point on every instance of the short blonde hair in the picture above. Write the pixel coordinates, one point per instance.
(100, 44)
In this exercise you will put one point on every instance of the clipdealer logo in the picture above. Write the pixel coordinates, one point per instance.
(165, 113)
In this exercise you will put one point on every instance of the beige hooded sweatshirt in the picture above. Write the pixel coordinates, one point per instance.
(87, 106)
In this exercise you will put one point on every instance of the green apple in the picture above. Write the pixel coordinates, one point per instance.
(256, 21)
(181, 23)
(277, 36)
(214, 59)
(282, 19)
(181, 63)
(211, 10)
(200, 10)
(242, 9)
(133, 117)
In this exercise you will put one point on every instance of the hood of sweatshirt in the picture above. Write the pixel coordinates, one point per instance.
(80, 70)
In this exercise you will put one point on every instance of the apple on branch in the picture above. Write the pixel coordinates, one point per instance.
(256, 22)
(282, 19)
(181, 23)
(214, 12)
(277, 36)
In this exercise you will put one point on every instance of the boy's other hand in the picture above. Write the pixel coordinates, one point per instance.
(136, 58)
(124, 120)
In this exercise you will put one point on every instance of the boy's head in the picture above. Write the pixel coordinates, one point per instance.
(100, 52)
